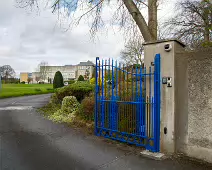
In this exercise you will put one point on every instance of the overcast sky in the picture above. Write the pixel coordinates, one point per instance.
(27, 38)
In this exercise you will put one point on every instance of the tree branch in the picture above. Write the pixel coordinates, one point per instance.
(139, 19)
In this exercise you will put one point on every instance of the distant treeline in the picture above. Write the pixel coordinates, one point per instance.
(10, 80)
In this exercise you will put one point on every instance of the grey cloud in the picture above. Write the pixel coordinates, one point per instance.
(6, 12)
(28, 38)
(34, 38)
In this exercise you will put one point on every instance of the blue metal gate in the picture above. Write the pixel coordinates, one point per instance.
(128, 103)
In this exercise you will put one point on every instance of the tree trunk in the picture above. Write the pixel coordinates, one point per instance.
(206, 17)
(152, 18)
(207, 35)
(140, 21)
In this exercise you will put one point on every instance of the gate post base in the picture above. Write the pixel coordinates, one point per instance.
(152, 155)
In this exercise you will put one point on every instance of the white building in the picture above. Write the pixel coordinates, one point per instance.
(35, 77)
(85, 68)
(69, 72)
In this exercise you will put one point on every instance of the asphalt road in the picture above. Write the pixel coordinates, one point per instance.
(30, 142)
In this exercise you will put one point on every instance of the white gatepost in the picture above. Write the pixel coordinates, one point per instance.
(167, 50)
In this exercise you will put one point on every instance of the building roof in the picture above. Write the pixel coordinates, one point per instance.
(88, 63)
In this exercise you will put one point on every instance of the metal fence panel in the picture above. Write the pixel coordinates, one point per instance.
(124, 111)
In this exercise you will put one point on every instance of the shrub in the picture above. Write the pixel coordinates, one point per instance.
(69, 104)
(59, 117)
(54, 99)
(71, 82)
(50, 108)
(81, 78)
(124, 121)
(81, 89)
(49, 89)
(38, 90)
(61, 93)
(58, 80)
(68, 110)
(23, 82)
(78, 89)
(92, 81)
(207, 44)
(86, 110)
(94, 72)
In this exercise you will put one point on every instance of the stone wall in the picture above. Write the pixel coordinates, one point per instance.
(193, 121)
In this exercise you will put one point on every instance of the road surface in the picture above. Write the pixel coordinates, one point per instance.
(28, 141)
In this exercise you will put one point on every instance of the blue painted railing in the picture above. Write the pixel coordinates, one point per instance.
(128, 103)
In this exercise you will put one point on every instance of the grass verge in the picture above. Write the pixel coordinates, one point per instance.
(15, 90)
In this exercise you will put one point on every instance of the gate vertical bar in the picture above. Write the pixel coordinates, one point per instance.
(150, 82)
(112, 98)
(136, 83)
(123, 82)
(105, 97)
(109, 79)
(105, 79)
(112, 80)
(141, 100)
(116, 78)
(109, 103)
(152, 117)
(96, 97)
(102, 102)
(137, 104)
(120, 81)
(132, 79)
(145, 104)
(157, 103)
(115, 104)
(150, 101)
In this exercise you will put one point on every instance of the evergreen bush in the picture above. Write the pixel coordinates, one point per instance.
(58, 80)
(81, 78)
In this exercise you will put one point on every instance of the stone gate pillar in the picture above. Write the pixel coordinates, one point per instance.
(167, 50)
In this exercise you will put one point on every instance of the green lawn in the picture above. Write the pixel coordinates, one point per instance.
(13, 90)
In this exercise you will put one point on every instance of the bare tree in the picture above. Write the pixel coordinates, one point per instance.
(132, 53)
(7, 72)
(87, 73)
(43, 70)
(37, 79)
(29, 79)
(126, 12)
(192, 23)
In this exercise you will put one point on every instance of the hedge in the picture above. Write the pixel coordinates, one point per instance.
(79, 89)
